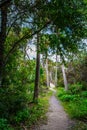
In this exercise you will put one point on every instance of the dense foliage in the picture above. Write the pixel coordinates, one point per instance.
(75, 99)
(60, 27)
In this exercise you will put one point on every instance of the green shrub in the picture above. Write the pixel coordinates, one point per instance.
(12, 100)
(66, 95)
(68, 98)
(4, 125)
(75, 88)
(22, 116)
(78, 109)
(75, 103)
(37, 111)
(32, 114)
(84, 94)
(61, 92)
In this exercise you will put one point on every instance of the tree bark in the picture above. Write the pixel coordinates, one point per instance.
(64, 78)
(37, 75)
(2, 41)
(47, 73)
(56, 70)
(51, 78)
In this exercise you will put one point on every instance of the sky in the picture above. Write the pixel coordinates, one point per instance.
(31, 51)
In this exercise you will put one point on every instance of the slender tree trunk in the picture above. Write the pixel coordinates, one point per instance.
(43, 61)
(47, 73)
(51, 79)
(2, 41)
(64, 78)
(56, 70)
(37, 75)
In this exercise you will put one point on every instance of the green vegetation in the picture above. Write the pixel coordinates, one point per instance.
(52, 27)
(4, 125)
(74, 103)
(74, 99)
(32, 115)
(26, 116)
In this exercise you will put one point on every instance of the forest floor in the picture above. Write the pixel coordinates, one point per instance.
(57, 119)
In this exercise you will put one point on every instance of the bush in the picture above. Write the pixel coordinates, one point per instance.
(75, 88)
(84, 94)
(75, 103)
(22, 116)
(32, 114)
(12, 100)
(68, 98)
(78, 109)
(61, 92)
(4, 125)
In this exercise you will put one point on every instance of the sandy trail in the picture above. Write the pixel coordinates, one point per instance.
(57, 118)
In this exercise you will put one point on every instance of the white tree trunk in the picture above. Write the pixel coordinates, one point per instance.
(64, 78)
(56, 70)
(47, 73)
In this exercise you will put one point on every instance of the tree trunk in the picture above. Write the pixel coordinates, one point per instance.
(64, 78)
(2, 41)
(51, 79)
(47, 73)
(37, 75)
(56, 70)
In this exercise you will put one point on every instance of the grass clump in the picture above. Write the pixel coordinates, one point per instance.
(78, 109)
(74, 102)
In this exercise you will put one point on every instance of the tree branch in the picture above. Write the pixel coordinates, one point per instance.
(26, 36)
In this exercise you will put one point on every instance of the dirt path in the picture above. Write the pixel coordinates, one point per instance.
(57, 118)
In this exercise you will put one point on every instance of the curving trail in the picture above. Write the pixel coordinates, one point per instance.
(57, 118)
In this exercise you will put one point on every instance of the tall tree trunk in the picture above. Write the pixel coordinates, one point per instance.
(43, 61)
(37, 75)
(47, 73)
(2, 40)
(56, 70)
(64, 78)
(51, 79)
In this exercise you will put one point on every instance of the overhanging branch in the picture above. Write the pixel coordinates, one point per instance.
(26, 36)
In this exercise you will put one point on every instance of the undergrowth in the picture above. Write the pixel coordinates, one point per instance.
(29, 116)
(74, 103)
